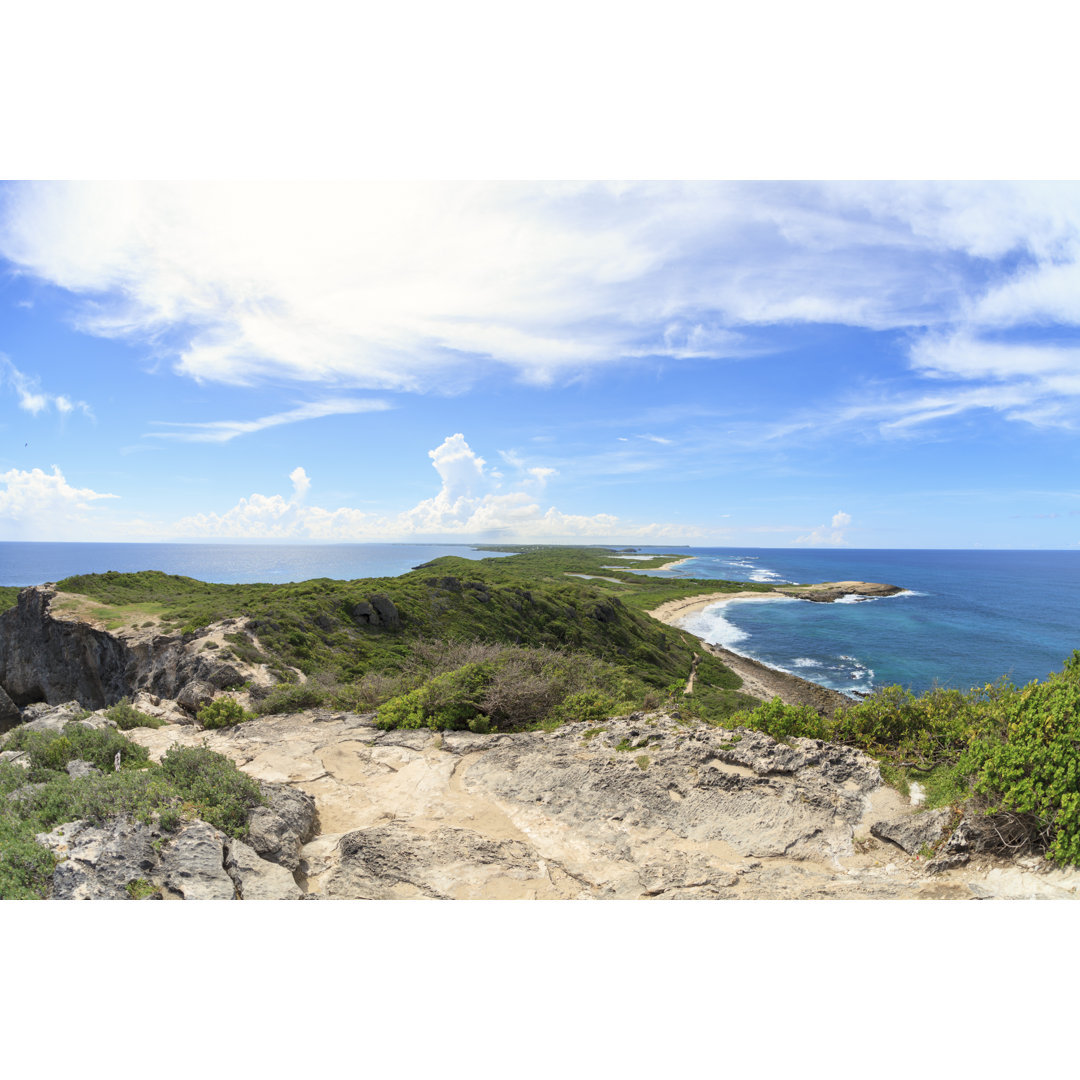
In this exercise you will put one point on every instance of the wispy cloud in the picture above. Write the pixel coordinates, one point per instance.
(421, 287)
(224, 430)
(32, 398)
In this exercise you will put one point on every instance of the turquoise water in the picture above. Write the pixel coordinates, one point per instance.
(966, 617)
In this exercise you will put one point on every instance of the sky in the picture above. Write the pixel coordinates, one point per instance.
(767, 364)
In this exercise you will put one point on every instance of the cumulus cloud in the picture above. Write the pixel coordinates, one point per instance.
(32, 398)
(822, 536)
(467, 506)
(36, 505)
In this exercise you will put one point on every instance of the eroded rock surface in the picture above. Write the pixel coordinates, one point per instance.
(638, 807)
(125, 859)
(51, 657)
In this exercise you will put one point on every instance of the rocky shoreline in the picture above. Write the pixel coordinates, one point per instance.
(760, 680)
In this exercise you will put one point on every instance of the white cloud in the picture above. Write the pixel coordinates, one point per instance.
(822, 536)
(32, 398)
(36, 505)
(408, 285)
(466, 506)
(224, 430)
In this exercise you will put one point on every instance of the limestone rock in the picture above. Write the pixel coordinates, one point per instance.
(195, 695)
(913, 832)
(48, 657)
(77, 769)
(100, 861)
(394, 862)
(163, 708)
(16, 757)
(9, 711)
(387, 611)
(277, 832)
(257, 879)
(193, 864)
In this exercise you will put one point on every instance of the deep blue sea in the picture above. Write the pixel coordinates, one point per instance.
(230, 564)
(966, 617)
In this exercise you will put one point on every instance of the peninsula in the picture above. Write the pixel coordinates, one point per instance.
(468, 730)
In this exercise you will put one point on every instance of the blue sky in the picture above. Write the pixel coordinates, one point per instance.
(765, 364)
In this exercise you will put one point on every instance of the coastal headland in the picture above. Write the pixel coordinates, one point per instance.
(463, 731)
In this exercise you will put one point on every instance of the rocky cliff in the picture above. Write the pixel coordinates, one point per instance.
(45, 656)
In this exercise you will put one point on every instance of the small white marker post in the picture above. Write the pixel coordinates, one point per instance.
(116, 762)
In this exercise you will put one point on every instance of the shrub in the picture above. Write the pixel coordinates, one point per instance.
(25, 866)
(126, 716)
(222, 712)
(50, 751)
(446, 702)
(291, 698)
(587, 706)
(782, 721)
(220, 793)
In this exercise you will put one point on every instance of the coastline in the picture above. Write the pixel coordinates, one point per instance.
(676, 562)
(760, 680)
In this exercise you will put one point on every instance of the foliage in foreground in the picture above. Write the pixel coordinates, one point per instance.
(191, 782)
(1006, 749)
(505, 687)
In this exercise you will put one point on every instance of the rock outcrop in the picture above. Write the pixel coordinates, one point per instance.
(645, 806)
(125, 859)
(46, 657)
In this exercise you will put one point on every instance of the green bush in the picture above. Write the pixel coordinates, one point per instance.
(782, 721)
(222, 712)
(1026, 760)
(50, 751)
(25, 866)
(126, 716)
(291, 698)
(447, 702)
(587, 706)
(221, 795)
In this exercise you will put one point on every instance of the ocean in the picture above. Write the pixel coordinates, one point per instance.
(965, 618)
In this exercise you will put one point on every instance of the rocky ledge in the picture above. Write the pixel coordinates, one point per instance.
(647, 806)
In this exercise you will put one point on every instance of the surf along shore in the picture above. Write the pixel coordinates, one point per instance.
(760, 680)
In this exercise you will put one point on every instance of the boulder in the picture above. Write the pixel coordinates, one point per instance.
(388, 613)
(257, 879)
(78, 769)
(278, 831)
(913, 832)
(9, 711)
(224, 676)
(195, 695)
(99, 862)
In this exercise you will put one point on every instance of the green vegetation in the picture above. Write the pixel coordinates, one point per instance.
(1011, 752)
(356, 642)
(189, 783)
(126, 716)
(516, 643)
(222, 712)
